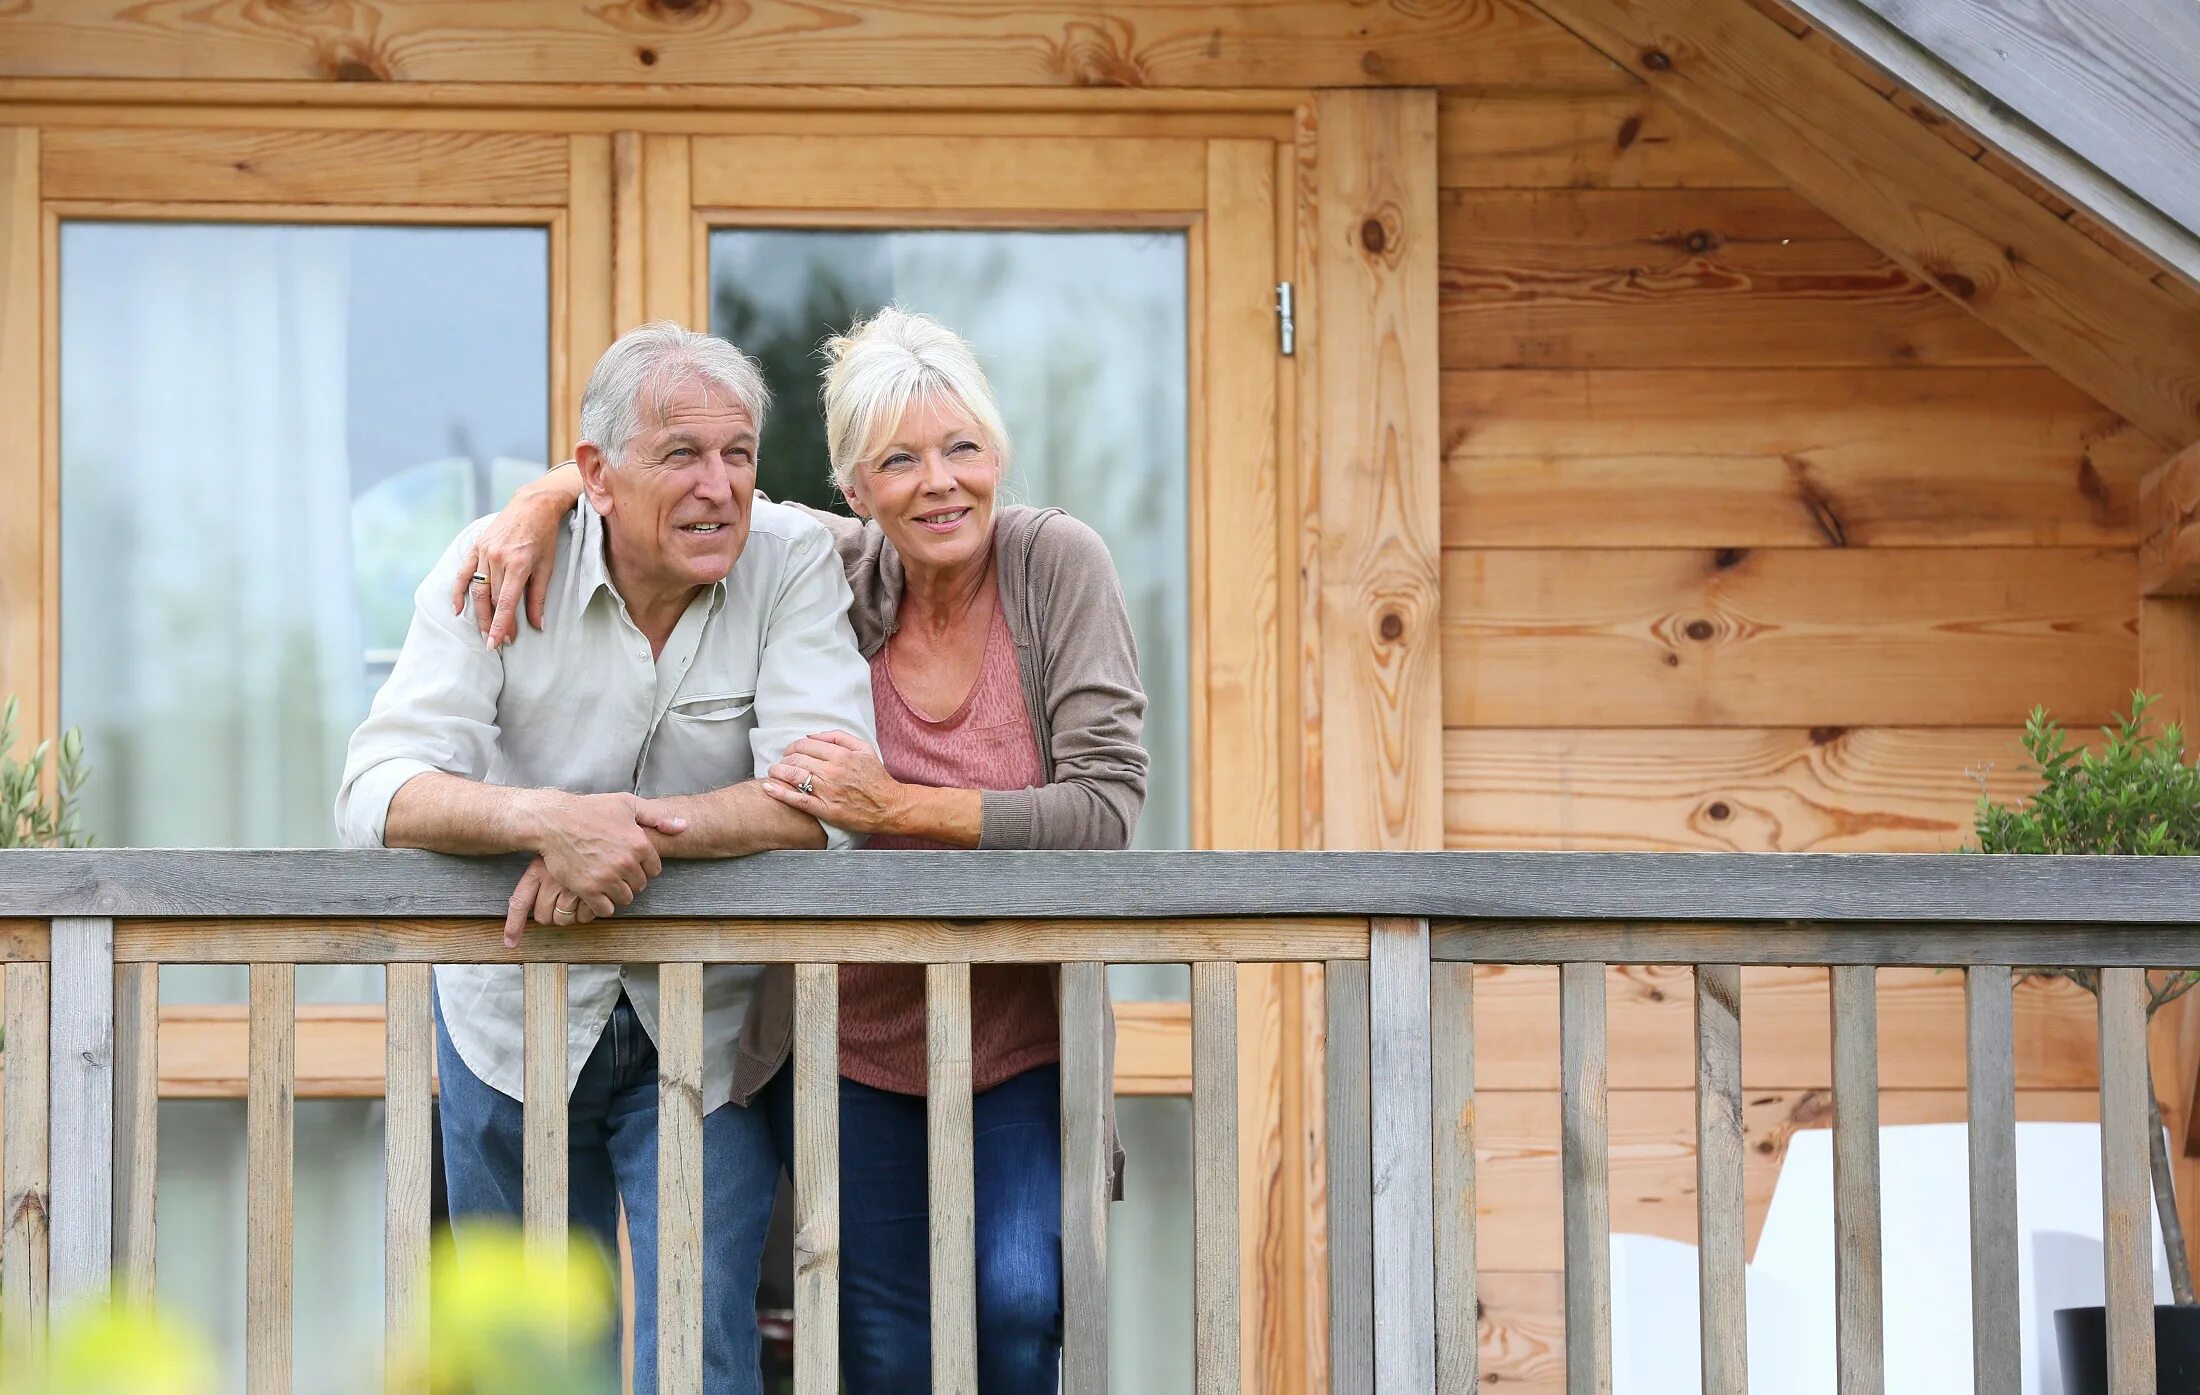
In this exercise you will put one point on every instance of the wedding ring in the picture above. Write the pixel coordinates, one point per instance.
(481, 578)
(562, 913)
(808, 785)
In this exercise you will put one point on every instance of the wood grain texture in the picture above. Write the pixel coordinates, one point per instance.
(1270, 1227)
(407, 1152)
(923, 174)
(1452, 1030)
(2126, 1184)
(1726, 789)
(817, 1178)
(1295, 43)
(137, 1127)
(1585, 1153)
(2169, 527)
(1403, 1154)
(1217, 1338)
(1835, 457)
(544, 1105)
(1382, 674)
(1887, 943)
(587, 277)
(949, 1173)
(23, 607)
(1086, 1188)
(1701, 278)
(1785, 638)
(24, 1226)
(2014, 264)
(680, 1176)
(669, 290)
(471, 168)
(80, 1104)
(1859, 1320)
(341, 1050)
(1990, 1037)
(268, 1191)
(1514, 139)
(1347, 1122)
(1721, 1188)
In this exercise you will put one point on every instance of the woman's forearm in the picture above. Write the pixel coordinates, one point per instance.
(955, 817)
(561, 486)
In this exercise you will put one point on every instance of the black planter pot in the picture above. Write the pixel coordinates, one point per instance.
(2081, 1335)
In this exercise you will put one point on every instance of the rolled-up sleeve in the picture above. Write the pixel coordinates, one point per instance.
(437, 711)
(810, 676)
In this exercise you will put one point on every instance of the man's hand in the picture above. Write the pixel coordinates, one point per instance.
(541, 898)
(598, 847)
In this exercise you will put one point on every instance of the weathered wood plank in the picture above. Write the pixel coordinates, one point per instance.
(1990, 1016)
(23, 1177)
(1086, 1166)
(268, 1182)
(23, 940)
(1720, 1194)
(80, 1104)
(1379, 469)
(1941, 216)
(1458, 1304)
(2169, 528)
(544, 1106)
(817, 1178)
(1770, 457)
(407, 1153)
(949, 1172)
(1859, 1320)
(1217, 1339)
(2126, 1184)
(1786, 638)
(137, 1127)
(1585, 1148)
(1726, 789)
(680, 1177)
(1514, 139)
(1890, 943)
(1347, 1123)
(1403, 1153)
(469, 168)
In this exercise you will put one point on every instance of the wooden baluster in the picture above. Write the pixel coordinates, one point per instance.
(817, 1179)
(948, 1124)
(1451, 1034)
(1990, 1060)
(1351, 1181)
(137, 1127)
(543, 1111)
(23, 1143)
(1859, 1324)
(1403, 1155)
(2126, 1182)
(407, 1150)
(1721, 1284)
(680, 1178)
(1585, 1155)
(81, 1100)
(1087, 1166)
(269, 1098)
(1216, 1339)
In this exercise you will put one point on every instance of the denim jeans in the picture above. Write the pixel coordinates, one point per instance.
(612, 1135)
(885, 1234)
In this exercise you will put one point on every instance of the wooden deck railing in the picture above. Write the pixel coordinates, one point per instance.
(83, 933)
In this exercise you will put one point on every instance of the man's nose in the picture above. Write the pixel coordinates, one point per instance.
(716, 483)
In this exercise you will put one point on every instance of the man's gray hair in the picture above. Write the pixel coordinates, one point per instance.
(650, 364)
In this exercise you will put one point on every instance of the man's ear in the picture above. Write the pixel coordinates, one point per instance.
(595, 468)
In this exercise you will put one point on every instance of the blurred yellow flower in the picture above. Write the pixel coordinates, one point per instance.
(120, 1349)
(504, 1317)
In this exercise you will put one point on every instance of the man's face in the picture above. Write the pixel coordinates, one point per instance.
(676, 510)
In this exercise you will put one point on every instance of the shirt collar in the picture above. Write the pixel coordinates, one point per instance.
(592, 569)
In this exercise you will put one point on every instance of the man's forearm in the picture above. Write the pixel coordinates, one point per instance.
(736, 821)
(451, 814)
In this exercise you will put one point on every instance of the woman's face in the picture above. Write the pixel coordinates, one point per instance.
(931, 485)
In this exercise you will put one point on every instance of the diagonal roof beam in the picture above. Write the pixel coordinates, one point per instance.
(2061, 297)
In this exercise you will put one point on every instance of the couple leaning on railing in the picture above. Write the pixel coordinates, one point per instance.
(709, 675)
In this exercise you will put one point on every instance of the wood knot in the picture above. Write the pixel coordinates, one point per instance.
(1699, 630)
(1718, 810)
(1729, 557)
(359, 70)
(1392, 626)
(1672, 660)
(1699, 242)
(1372, 236)
(677, 9)
(648, 57)
(1629, 130)
(1955, 283)
(1826, 736)
(1656, 61)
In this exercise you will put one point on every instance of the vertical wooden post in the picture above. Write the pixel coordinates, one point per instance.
(1991, 1083)
(82, 1099)
(544, 1107)
(1349, 1124)
(23, 1144)
(1404, 1150)
(24, 605)
(1217, 1336)
(1722, 1274)
(1458, 1305)
(2127, 1225)
(949, 1126)
(409, 1051)
(1087, 1166)
(586, 277)
(270, 1095)
(137, 1126)
(1586, 1163)
(680, 1177)
(1859, 1321)
(817, 1179)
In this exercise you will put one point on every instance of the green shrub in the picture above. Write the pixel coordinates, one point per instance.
(2134, 796)
(31, 814)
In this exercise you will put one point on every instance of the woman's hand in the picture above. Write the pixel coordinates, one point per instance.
(848, 787)
(515, 553)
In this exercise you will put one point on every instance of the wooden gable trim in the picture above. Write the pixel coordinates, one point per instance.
(2016, 265)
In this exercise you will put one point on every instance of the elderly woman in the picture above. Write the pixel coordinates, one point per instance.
(1005, 685)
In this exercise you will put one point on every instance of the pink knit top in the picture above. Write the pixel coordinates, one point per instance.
(985, 744)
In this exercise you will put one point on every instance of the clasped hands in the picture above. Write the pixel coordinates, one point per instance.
(594, 854)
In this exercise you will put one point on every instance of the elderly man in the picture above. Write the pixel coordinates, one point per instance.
(693, 634)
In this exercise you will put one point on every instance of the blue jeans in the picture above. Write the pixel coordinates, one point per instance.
(612, 1134)
(885, 1234)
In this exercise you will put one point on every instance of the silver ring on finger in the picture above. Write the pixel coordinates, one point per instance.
(808, 785)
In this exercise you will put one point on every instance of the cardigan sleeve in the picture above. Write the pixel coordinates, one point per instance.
(1096, 709)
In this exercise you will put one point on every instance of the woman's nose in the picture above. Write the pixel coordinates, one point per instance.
(936, 474)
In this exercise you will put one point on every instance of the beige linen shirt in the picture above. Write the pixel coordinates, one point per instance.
(757, 662)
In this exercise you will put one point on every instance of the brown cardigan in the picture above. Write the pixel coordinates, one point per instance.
(1079, 666)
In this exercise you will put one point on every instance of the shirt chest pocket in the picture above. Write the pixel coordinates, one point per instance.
(701, 744)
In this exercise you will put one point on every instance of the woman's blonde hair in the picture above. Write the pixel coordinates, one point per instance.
(880, 366)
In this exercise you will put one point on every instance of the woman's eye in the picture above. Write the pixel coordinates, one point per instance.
(896, 461)
(962, 447)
